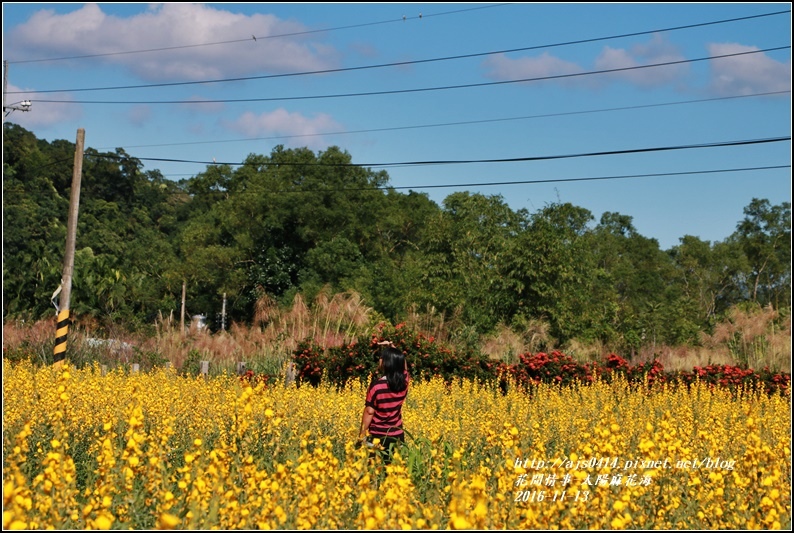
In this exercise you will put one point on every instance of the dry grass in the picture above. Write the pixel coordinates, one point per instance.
(586, 352)
(266, 346)
(685, 357)
(431, 322)
(16, 333)
(275, 334)
(507, 343)
(330, 321)
(504, 345)
(755, 337)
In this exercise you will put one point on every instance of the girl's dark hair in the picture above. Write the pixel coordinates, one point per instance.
(394, 368)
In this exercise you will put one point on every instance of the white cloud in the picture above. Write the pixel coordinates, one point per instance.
(746, 74)
(41, 114)
(500, 67)
(89, 30)
(298, 130)
(657, 50)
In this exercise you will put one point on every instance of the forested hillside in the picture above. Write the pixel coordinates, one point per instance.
(295, 221)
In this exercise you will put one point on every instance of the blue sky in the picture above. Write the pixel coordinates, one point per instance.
(696, 99)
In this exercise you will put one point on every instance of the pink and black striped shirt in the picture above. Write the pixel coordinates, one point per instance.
(387, 420)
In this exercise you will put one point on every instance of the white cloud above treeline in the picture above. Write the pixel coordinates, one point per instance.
(297, 129)
(89, 31)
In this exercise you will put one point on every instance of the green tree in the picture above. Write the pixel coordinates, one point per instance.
(398, 253)
(34, 231)
(126, 219)
(464, 259)
(292, 221)
(555, 273)
(708, 275)
(638, 283)
(765, 237)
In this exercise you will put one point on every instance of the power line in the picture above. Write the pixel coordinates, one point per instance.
(459, 123)
(473, 161)
(255, 38)
(406, 91)
(521, 182)
(553, 180)
(395, 64)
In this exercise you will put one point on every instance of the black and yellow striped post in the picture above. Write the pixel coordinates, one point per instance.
(61, 333)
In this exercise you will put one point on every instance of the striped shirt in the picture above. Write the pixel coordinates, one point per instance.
(387, 420)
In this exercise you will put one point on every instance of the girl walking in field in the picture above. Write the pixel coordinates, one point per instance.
(382, 416)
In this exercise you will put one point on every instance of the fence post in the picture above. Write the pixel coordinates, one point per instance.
(205, 369)
(291, 373)
(240, 368)
(104, 370)
(136, 368)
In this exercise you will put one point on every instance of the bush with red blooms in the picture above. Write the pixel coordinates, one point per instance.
(555, 367)
(428, 358)
(358, 360)
(736, 378)
(615, 365)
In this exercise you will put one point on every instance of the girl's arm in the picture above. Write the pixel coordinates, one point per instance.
(366, 419)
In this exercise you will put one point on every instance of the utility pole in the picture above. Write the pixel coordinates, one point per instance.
(62, 332)
(24, 105)
(223, 313)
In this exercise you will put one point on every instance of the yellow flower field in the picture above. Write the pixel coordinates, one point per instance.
(156, 450)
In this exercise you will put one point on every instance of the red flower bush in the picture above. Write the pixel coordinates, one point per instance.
(359, 360)
(427, 358)
(737, 378)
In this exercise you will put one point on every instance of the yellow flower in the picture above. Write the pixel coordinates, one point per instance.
(103, 521)
(460, 522)
(167, 521)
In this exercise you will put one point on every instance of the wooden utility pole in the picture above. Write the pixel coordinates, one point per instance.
(59, 353)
